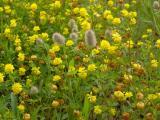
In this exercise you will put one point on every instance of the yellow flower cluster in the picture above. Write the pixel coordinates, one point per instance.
(9, 68)
(82, 73)
(120, 96)
(92, 67)
(56, 78)
(97, 109)
(1, 77)
(91, 98)
(69, 43)
(36, 71)
(16, 88)
(57, 61)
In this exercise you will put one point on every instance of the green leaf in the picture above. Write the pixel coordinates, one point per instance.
(71, 63)
(2, 104)
(86, 108)
(14, 105)
(35, 111)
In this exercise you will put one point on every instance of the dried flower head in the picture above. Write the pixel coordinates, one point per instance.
(74, 36)
(90, 38)
(34, 90)
(71, 23)
(58, 38)
(39, 41)
(156, 5)
(75, 28)
(108, 32)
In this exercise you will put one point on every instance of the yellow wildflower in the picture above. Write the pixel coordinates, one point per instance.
(112, 49)
(1, 77)
(1, 9)
(124, 13)
(36, 71)
(95, 51)
(9, 68)
(76, 10)
(33, 6)
(152, 97)
(113, 111)
(119, 96)
(128, 95)
(69, 43)
(116, 21)
(82, 72)
(83, 12)
(158, 43)
(56, 78)
(97, 109)
(57, 4)
(86, 25)
(22, 71)
(7, 9)
(21, 57)
(13, 23)
(55, 48)
(16, 88)
(92, 67)
(110, 3)
(154, 63)
(104, 44)
(91, 98)
(116, 37)
(36, 28)
(57, 61)
(21, 107)
(7, 31)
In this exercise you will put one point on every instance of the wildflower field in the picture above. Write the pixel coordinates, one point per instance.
(79, 60)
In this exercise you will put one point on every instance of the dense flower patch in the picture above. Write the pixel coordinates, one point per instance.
(78, 59)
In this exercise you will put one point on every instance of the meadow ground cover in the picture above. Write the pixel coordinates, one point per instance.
(79, 60)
